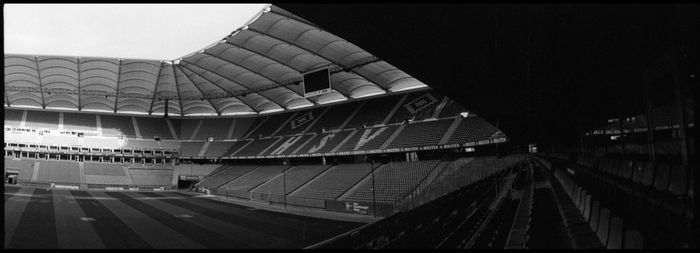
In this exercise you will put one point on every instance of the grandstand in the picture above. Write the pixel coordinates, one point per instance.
(58, 171)
(337, 180)
(151, 176)
(391, 182)
(109, 174)
(225, 148)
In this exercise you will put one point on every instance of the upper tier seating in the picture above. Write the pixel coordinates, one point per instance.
(13, 117)
(24, 138)
(301, 121)
(417, 106)
(242, 126)
(293, 178)
(269, 125)
(255, 178)
(58, 171)
(334, 117)
(373, 112)
(368, 139)
(472, 129)
(42, 120)
(218, 148)
(148, 144)
(113, 125)
(452, 108)
(324, 143)
(102, 142)
(337, 180)
(287, 145)
(151, 177)
(393, 181)
(421, 134)
(153, 127)
(191, 148)
(216, 128)
(170, 144)
(235, 147)
(226, 174)
(60, 140)
(187, 127)
(256, 147)
(79, 122)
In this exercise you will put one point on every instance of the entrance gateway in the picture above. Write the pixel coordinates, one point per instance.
(11, 176)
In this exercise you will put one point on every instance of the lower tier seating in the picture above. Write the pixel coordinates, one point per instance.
(105, 173)
(151, 177)
(24, 167)
(293, 178)
(393, 181)
(58, 171)
(337, 180)
(224, 174)
(255, 177)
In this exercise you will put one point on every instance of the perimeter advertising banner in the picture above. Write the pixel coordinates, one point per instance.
(359, 207)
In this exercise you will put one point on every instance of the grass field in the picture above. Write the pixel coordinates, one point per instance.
(39, 218)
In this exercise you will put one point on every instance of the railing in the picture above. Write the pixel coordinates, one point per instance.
(451, 180)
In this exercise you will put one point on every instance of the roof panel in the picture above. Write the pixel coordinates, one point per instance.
(250, 71)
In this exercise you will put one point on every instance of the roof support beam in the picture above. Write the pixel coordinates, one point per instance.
(177, 87)
(155, 88)
(41, 85)
(281, 63)
(116, 96)
(239, 84)
(7, 99)
(200, 92)
(316, 54)
(292, 18)
(80, 107)
(218, 86)
(250, 70)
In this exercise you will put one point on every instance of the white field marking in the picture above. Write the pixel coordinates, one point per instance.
(87, 219)
(103, 198)
(109, 198)
(184, 216)
(26, 195)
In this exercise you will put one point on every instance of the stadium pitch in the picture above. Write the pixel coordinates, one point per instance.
(43, 218)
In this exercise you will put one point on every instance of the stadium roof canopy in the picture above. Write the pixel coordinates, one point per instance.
(256, 69)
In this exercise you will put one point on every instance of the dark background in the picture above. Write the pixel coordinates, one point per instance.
(542, 72)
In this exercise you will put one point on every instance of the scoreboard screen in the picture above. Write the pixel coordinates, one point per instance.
(317, 82)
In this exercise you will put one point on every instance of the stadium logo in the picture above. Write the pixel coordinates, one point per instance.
(322, 144)
(420, 103)
(286, 145)
(303, 119)
(366, 137)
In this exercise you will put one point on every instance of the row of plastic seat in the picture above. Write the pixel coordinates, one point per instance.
(518, 236)
(446, 222)
(657, 196)
(591, 225)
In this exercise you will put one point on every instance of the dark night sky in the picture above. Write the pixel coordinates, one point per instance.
(585, 61)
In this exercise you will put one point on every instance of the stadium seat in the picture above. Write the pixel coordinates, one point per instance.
(633, 240)
(679, 180)
(603, 225)
(627, 169)
(616, 233)
(595, 211)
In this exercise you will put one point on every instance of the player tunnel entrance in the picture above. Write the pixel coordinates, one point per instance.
(11, 176)
(187, 181)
